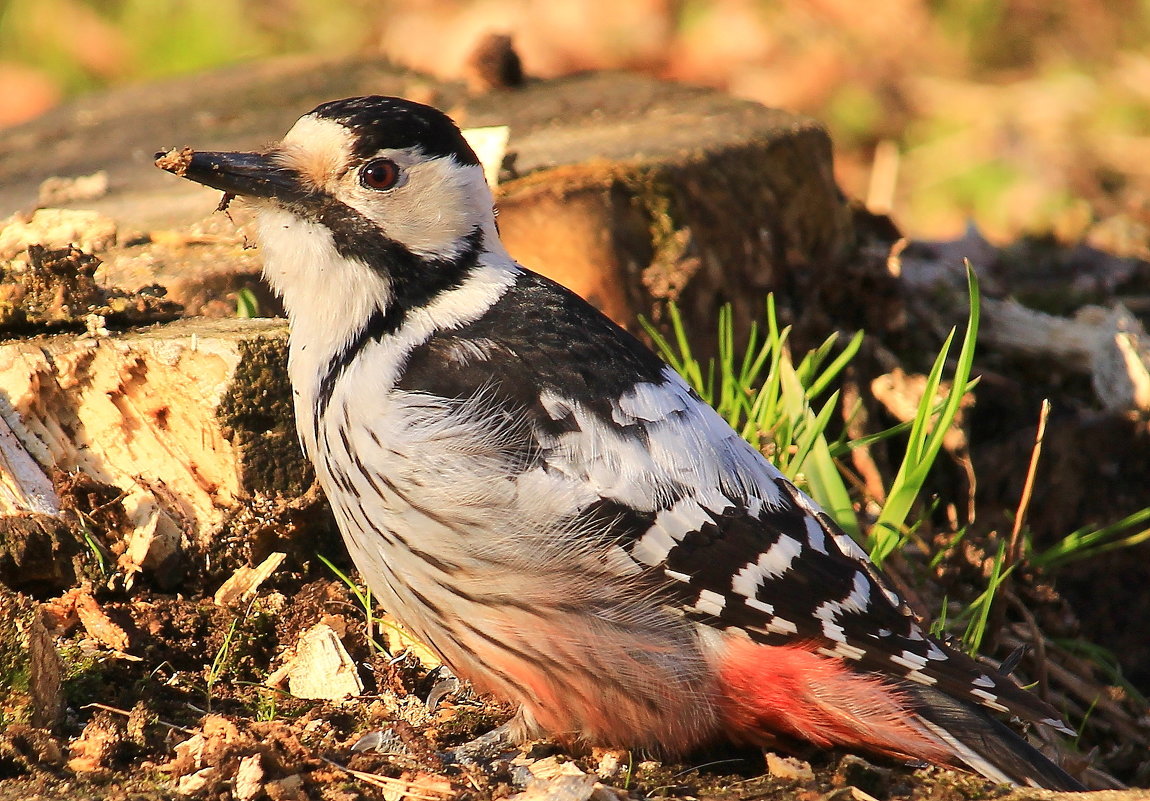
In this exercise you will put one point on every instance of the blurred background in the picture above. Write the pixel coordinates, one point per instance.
(1026, 116)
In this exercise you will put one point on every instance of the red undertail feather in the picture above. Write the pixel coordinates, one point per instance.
(790, 691)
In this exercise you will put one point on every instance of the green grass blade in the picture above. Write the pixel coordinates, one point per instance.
(247, 304)
(812, 429)
(363, 595)
(925, 440)
(980, 607)
(662, 346)
(838, 364)
(826, 484)
(1085, 542)
(808, 367)
(938, 626)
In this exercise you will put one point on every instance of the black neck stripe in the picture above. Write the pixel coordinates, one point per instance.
(415, 282)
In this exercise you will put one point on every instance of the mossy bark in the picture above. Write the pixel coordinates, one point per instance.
(30, 669)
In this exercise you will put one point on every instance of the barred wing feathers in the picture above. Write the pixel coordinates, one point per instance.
(681, 492)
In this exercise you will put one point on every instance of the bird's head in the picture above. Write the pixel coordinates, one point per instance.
(377, 197)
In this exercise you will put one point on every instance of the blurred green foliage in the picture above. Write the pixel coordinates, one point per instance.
(1010, 112)
(88, 44)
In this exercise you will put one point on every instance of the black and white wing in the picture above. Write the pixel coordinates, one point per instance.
(739, 546)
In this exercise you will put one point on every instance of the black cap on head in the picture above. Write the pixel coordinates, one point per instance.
(380, 122)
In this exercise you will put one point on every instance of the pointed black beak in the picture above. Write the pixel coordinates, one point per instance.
(244, 174)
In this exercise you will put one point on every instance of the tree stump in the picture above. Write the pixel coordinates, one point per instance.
(186, 420)
(629, 190)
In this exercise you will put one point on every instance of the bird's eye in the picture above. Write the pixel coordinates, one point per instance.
(379, 174)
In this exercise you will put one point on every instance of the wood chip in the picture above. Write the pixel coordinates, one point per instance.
(194, 783)
(249, 781)
(90, 231)
(24, 487)
(322, 668)
(59, 614)
(552, 767)
(561, 788)
(901, 393)
(242, 585)
(175, 161)
(97, 744)
(490, 145)
(783, 767)
(97, 623)
(57, 189)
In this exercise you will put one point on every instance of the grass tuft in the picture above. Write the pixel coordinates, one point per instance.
(774, 404)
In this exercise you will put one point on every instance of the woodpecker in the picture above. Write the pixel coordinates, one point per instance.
(545, 503)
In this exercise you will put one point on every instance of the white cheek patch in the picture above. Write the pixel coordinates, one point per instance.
(432, 210)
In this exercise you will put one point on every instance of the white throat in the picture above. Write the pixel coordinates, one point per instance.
(327, 297)
(330, 298)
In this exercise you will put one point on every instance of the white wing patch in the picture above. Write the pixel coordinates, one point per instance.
(682, 518)
(652, 548)
(909, 660)
(843, 651)
(816, 538)
(648, 402)
(687, 448)
(710, 603)
(830, 611)
(778, 625)
(761, 606)
(989, 699)
(775, 561)
(671, 525)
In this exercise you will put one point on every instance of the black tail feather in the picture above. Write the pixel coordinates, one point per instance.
(987, 745)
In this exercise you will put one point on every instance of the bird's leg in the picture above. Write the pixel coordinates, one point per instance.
(499, 742)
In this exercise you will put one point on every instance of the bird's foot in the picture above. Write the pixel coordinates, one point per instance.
(499, 743)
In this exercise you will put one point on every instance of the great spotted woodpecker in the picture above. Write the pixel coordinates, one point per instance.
(546, 504)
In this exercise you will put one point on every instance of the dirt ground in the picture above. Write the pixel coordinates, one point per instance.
(169, 683)
(189, 713)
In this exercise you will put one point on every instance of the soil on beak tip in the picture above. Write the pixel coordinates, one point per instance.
(176, 161)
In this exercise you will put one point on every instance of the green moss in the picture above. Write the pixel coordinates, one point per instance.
(15, 669)
(653, 193)
(85, 676)
(257, 417)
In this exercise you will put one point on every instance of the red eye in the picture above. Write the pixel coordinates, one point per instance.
(379, 174)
